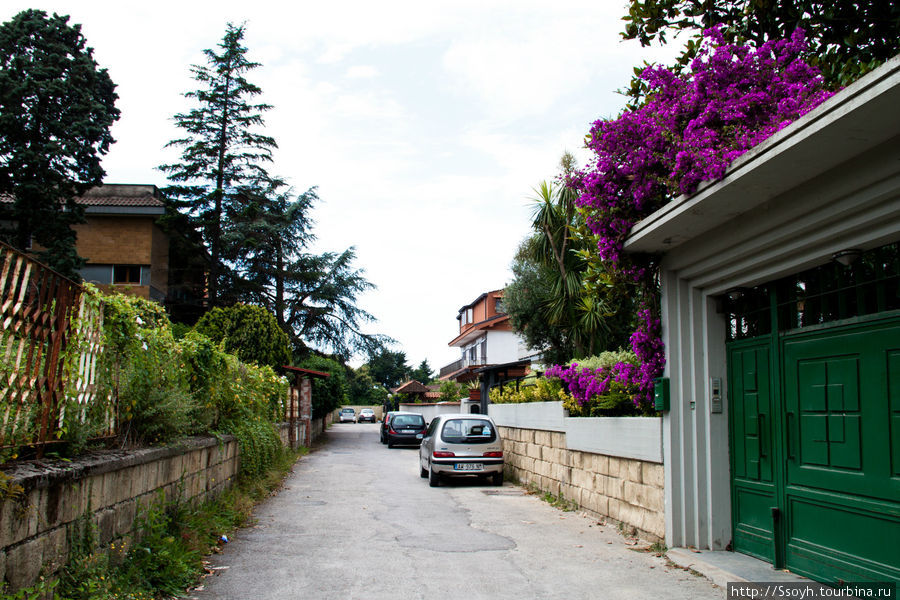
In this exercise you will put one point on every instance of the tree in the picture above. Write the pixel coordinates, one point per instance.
(556, 309)
(423, 373)
(389, 368)
(330, 392)
(313, 296)
(221, 151)
(56, 109)
(847, 39)
(249, 332)
(363, 389)
(523, 299)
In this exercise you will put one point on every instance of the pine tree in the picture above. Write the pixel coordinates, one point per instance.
(56, 109)
(221, 153)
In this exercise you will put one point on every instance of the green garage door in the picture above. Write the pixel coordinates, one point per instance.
(842, 469)
(815, 447)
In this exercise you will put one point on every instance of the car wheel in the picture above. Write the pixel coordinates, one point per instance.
(434, 478)
(423, 472)
(390, 444)
(497, 478)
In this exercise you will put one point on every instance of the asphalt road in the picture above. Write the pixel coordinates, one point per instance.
(355, 520)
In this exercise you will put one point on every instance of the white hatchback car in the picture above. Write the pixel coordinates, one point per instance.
(458, 445)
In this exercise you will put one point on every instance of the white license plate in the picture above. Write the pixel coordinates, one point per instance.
(409, 431)
(468, 467)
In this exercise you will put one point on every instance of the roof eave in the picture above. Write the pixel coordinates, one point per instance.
(855, 119)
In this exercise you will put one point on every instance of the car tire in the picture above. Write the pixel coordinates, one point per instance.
(434, 478)
(423, 472)
(497, 478)
(390, 444)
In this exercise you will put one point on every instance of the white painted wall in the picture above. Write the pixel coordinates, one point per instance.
(626, 437)
(502, 347)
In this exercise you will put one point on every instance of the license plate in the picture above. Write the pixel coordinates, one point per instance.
(409, 431)
(468, 467)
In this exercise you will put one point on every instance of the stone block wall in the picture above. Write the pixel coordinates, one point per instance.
(625, 490)
(111, 487)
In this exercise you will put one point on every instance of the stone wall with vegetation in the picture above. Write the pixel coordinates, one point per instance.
(626, 490)
(44, 501)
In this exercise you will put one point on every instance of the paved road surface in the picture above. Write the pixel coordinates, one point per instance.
(355, 521)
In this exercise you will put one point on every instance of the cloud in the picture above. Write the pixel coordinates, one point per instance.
(362, 72)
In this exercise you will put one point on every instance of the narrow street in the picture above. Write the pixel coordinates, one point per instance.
(355, 520)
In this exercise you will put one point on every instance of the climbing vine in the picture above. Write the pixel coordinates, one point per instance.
(691, 127)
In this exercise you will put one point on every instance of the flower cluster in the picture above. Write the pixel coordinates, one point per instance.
(692, 126)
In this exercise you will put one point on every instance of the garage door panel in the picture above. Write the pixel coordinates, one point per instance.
(836, 401)
(893, 370)
(754, 534)
(839, 536)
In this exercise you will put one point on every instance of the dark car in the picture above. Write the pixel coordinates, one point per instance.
(384, 425)
(405, 428)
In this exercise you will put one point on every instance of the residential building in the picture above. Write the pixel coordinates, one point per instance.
(124, 247)
(781, 321)
(128, 250)
(485, 338)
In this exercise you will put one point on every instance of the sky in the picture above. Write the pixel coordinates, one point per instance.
(425, 126)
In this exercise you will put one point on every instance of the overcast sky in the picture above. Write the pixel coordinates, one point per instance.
(425, 125)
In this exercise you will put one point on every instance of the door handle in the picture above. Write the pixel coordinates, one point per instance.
(790, 435)
(761, 419)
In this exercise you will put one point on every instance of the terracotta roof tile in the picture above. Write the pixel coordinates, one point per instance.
(114, 195)
(411, 387)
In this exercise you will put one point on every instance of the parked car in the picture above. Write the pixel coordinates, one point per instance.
(384, 425)
(347, 415)
(461, 445)
(406, 428)
(366, 414)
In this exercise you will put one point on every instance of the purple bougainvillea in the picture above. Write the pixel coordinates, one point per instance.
(692, 126)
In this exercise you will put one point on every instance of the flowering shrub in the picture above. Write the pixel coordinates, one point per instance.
(602, 385)
(533, 389)
(689, 130)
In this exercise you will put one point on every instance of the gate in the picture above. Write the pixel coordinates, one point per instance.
(814, 421)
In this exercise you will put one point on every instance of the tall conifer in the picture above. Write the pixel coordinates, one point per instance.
(221, 151)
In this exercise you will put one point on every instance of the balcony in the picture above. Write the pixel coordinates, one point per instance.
(462, 364)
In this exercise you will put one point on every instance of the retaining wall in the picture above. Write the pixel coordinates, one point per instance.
(608, 467)
(110, 486)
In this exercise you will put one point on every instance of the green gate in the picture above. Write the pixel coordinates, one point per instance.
(815, 436)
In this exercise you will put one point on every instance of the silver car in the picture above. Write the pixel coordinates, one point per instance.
(461, 445)
(347, 415)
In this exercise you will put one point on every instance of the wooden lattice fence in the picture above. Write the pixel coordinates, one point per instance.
(50, 343)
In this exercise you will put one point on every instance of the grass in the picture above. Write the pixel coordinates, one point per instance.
(555, 501)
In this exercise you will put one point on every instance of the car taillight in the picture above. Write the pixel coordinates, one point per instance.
(391, 430)
(493, 455)
(439, 454)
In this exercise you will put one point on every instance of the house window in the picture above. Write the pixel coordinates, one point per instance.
(498, 306)
(127, 274)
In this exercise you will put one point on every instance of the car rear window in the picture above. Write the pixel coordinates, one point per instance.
(407, 421)
(468, 431)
